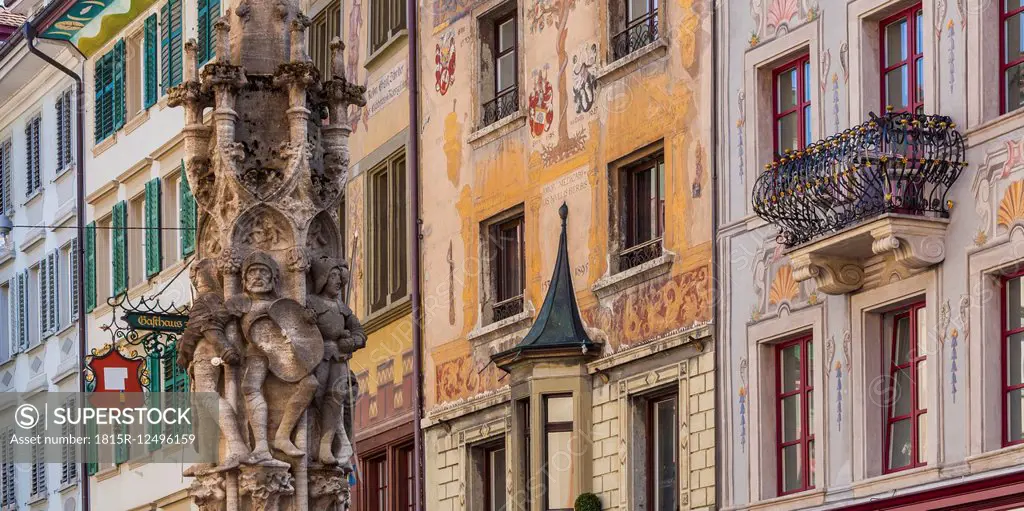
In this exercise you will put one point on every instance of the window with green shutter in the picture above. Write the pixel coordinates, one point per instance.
(109, 110)
(187, 215)
(208, 13)
(90, 267)
(175, 379)
(154, 254)
(121, 453)
(119, 247)
(154, 367)
(149, 46)
(170, 43)
(92, 449)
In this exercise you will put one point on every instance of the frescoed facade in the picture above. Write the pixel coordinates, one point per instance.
(603, 107)
(871, 246)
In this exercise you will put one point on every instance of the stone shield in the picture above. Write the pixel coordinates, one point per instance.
(290, 340)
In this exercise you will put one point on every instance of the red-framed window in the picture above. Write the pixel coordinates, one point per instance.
(377, 481)
(905, 412)
(663, 452)
(794, 413)
(1011, 49)
(903, 60)
(791, 105)
(1013, 359)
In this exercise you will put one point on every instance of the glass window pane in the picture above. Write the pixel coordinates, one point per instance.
(791, 368)
(497, 472)
(895, 42)
(807, 127)
(559, 409)
(919, 81)
(791, 416)
(789, 132)
(921, 332)
(792, 477)
(922, 436)
(665, 455)
(1015, 359)
(810, 410)
(900, 448)
(810, 461)
(506, 35)
(637, 9)
(807, 73)
(900, 395)
(897, 88)
(559, 470)
(1015, 415)
(1013, 32)
(810, 364)
(919, 32)
(786, 90)
(902, 352)
(506, 72)
(1015, 303)
(1011, 5)
(922, 384)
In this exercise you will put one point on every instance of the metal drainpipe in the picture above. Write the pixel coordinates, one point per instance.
(716, 291)
(29, 33)
(413, 185)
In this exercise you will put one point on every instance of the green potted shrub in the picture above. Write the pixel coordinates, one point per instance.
(587, 502)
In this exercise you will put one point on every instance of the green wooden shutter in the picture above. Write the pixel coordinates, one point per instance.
(92, 449)
(99, 87)
(120, 247)
(165, 47)
(119, 96)
(153, 395)
(153, 252)
(203, 28)
(176, 381)
(176, 41)
(90, 267)
(150, 48)
(171, 43)
(120, 448)
(187, 214)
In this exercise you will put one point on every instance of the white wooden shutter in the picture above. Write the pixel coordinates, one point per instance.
(73, 280)
(53, 290)
(22, 311)
(12, 316)
(43, 295)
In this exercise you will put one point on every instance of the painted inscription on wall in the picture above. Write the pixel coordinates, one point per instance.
(386, 89)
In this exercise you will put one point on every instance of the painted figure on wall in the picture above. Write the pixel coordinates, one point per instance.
(584, 83)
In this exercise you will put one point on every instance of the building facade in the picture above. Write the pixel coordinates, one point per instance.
(600, 106)
(38, 274)
(871, 178)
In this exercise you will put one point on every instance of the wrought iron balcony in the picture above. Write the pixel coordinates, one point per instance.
(639, 33)
(897, 163)
(639, 254)
(502, 106)
(507, 308)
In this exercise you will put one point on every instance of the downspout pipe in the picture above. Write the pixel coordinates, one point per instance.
(716, 291)
(29, 33)
(413, 185)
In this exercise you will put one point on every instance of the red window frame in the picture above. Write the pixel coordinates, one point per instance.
(914, 54)
(916, 411)
(805, 391)
(1005, 66)
(1007, 388)
(802, 100)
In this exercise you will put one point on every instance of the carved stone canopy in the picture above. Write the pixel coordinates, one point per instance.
(839, 262)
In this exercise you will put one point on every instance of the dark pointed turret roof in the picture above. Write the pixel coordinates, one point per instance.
(558, 328)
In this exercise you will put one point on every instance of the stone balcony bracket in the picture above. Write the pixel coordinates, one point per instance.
(838, 262)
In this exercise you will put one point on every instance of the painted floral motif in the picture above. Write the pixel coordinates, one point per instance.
(784, 287)
(743, 404)
(541, 112)
(952, 56)
(781, 12)
(444, 63)
(739, 136)
(1011, 208)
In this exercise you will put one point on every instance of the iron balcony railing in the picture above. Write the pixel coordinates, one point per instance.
(502, 106)
(896, 163)
(639, 254)
(639, 33)
(507, 308)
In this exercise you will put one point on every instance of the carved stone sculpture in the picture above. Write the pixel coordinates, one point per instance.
(268, 323)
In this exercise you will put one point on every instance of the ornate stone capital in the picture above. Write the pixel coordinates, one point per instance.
(911, 249)
(328, 488)
(265, 485)
(832, 275)
(207, 491)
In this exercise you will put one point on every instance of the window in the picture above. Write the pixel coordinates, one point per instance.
(387, 19)
(167, 378)
(104, 234)
(68, 465)
(903, 61)
(377, 483)
(19, 312)
(1011, 27)
(32, 307)
(136, 238)
(906, 393)
(68, 279)
(406, 478)
(642, 186)
(38, 466)
(502, 38)
(794, 368)
(187, 215)
(134, 82)
(64, 106)
(8, 481)
(208, 12)
(6, 316)
(506, 259)
(48, 292)
(32, 178)
(558, 452)
(326, 26)
(170, 190)
(636, 29)
(170, 44)
(663, 453)
(151, 236)
(109, 109)
(6, 179)
(1013, 367)
(387, 216)
(792, 105)
(526, 470)
(150, 69)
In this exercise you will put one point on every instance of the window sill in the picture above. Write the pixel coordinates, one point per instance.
(107, 473)
(615, 283)
(507, 326)
(138, 120)
(66, 369)
(617, 69)
(67, 486)
(37, 498)
(894, 480)
(107, 143)
(9, 507)
(801, 500)
(486, 134)
(32, 197)
(387, 315)
(32, 237)
(994, 128)
(1003, 457)
(63, 172)
(6, 254)
(374, 59)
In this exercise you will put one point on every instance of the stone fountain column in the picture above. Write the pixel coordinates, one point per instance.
(268, 170)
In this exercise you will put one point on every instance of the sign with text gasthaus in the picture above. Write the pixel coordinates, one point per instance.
(94, 427)
(171, 323)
